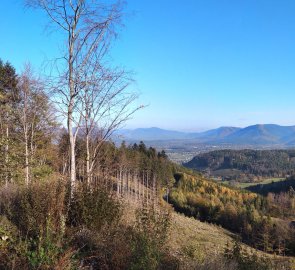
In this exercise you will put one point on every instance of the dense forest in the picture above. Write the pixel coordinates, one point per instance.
(263, 222)
(245, 165)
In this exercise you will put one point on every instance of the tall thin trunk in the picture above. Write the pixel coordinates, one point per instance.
(88, 161)
(138, 178)
(147, 187)
(118, 183)
(121, 182)
(88, 171)
(71, 109)
(32, 142)
(136, 183)
(64, 167)
(6, 151)
(126, 183)
(72, 153)
(27, 173)
(26, 137)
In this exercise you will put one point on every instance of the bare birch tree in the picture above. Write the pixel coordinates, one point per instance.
(25, 87)
(106, 105)
(87, 27)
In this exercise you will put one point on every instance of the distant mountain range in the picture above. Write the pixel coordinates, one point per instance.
(267, 134)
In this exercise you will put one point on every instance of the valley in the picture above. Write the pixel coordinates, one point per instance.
(181, 147)
(262, 135)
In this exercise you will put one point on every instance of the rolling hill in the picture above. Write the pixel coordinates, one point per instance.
(245, 165)
(262, 135)
(212, 135)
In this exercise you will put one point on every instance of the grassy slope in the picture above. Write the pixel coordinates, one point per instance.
(204, 239)
(207, 238)
(187, 231)
(189, 234)
(190, 239)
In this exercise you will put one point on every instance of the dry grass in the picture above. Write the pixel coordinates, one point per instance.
(194, 243)
(191, 239)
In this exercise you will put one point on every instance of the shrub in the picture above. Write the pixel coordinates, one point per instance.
(93, 208)
(148, 238)
(42, 227)
(31, 208)
(246, 260)
(34, 225)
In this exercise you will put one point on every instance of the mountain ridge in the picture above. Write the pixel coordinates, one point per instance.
(259, 134)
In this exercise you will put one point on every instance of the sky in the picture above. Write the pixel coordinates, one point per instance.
(197, 64)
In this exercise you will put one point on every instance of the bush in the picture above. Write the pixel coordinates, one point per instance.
(35, 225)
(93, 208)
(42, 227)
(246, 260)
(148, 238)
(31, 208)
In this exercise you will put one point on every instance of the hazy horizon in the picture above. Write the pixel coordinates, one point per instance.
(199, 129)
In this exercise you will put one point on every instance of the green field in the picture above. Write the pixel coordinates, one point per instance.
(266, 181)
(245, 185)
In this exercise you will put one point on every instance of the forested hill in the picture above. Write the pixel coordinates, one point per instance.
(262, 222)
(245, 163)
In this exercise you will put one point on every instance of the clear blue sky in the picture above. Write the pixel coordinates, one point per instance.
(198, 63)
